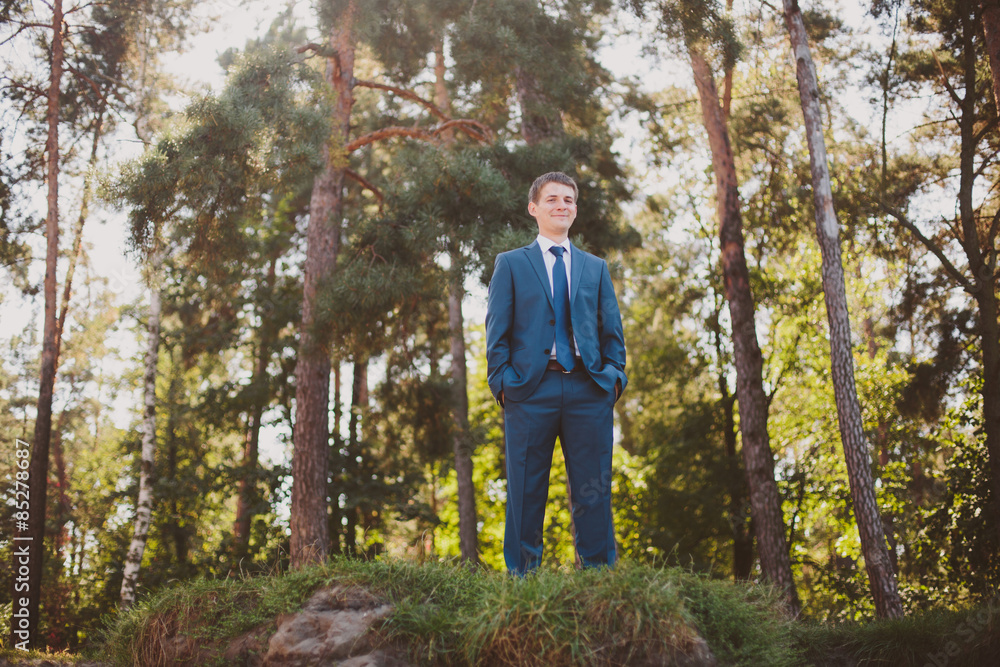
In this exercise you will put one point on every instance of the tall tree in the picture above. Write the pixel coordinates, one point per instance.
(967, 132)
(32, 532)
(878, 562)
(308, 519)
(152, 26)
(462, 439)
(698, 25)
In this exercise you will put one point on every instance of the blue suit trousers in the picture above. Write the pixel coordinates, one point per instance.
(574, 408)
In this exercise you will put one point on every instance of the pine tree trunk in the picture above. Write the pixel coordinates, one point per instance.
(539, 118)
(468, 533)
(308, 518)
(991, 29)
(461, 439)
(74, 257)
(31, 536)
(144, 502)
(178, 433)
(981, 264)
(878, 563)
(765, 502)
(247, 498)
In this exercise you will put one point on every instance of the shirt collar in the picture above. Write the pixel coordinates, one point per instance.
(545, 243)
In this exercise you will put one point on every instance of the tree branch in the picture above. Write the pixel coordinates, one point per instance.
(473, 128)
(311, 46)
(930, 245)
(406, 94)
(322, 50)
(944, 79)
(994, 227)
(985, 130)
(366, 185)
(90, 82)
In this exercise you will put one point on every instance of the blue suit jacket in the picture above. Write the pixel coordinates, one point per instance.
(520, 322)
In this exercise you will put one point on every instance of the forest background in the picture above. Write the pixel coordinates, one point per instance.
(308, 244)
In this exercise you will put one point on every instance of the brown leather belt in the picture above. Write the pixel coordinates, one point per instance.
(554, 365)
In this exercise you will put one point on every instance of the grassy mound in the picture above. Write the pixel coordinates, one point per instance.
(448, 615)
(633, 615)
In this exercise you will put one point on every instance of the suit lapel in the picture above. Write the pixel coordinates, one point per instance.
(576, 271)
(534, 252)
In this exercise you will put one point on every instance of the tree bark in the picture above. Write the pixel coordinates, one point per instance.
(247, 499)
(991, 29)
(539, 118)
(468, 533)
(878, 563)
(31, 534)
(765, 501)
(981, 264)
(74, 256)
(144, 502)
(461, 439)
(308, 517)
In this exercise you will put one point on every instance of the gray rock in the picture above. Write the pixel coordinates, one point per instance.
(331, 628)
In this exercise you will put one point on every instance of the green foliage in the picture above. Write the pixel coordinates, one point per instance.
(255, 143)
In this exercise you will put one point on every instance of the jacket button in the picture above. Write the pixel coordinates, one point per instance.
(546, 351)
(552, 321)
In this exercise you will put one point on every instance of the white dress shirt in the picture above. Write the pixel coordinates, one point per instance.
(550, 261)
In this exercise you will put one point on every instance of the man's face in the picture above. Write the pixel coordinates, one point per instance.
(555, 210)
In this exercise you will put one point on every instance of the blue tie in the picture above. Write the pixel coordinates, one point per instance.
(560, 299)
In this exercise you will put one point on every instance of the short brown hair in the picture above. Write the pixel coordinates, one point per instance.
(551, 177)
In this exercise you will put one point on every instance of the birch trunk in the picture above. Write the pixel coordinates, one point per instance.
(878, 563)
(308, 519)
(765, 502)
(147, 456)
(144, 502)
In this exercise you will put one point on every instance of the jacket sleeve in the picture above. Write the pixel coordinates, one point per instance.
(609, 327)
(499, 321)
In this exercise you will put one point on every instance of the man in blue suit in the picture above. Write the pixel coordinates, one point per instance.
(556, 363)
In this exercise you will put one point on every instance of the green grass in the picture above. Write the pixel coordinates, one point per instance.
(940, 638)
(15, 656)
(450, 615)
(211, 612)
(445, 614)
